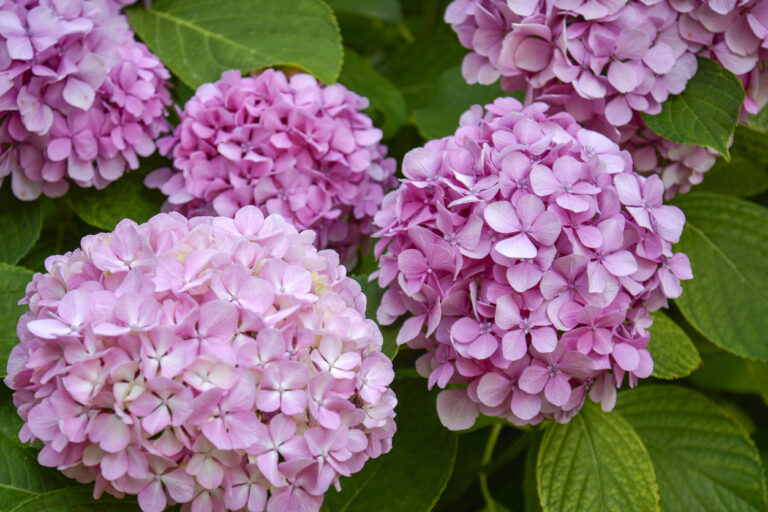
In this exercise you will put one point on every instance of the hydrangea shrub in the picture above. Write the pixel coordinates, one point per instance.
(528, 254)
(220, 363)
(285, 144)
(81, 99)
(391, 256)
(607, 61)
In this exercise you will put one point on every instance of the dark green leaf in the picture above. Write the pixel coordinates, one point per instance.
(386, 101)
(386, 10)
(746, 175)
(723, 371)
(530, 495)
(21, 222)
(413, 68)
(126, 198)
(13, 283)
(62, 232)
(75, 499)
(727, 240)
(413, 475)
(673, 352)
(200, 39)
(373, 296)
(707, 111)
(704, 460)
(595, 462)
(450, 97)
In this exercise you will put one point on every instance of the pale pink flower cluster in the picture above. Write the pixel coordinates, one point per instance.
(80, 99)
(223, 363)
(285, 144)
(527, 254)
(604, 61)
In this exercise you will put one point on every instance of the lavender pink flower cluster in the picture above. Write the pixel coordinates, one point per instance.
(286, 144)
(528, 255)
(80, 99)
(619, 57)
(223, 363)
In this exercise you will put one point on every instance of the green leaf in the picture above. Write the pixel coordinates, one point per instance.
(451, 96)
(723, 371)
(595, 462)
(726, 240)
(530, 496)
(385, 10)
(746, 175)
(75, 499)
(199, 39)
(704, 460)
(707, 111)
(386, 101)
(13, 284)
(414, 67)
(373, 295)
(413, 475)
(62, 232)
(673, 352)
(126, 198)
(21, 223)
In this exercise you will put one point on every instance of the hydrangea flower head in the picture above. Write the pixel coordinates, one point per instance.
(606, 61)
(217, 362)
(80, 99)
(285, 144)
(527, 255)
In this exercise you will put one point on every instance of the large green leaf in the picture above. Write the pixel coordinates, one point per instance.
(13, 283)
(125, 198)
(21, 222)
(704, 460)
(673, 352)
(387, 103)
(413, 475)
(450, 97)
(373, 296)
(75, 499)
(727, 241)
(385, 10)
(746, 175)
(199, 39)
(705, 113)
(596, 462)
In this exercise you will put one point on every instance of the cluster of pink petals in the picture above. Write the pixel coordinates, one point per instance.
(285, 144)
(527, 254)
(604, 61)
(80, 99)
(223, 363)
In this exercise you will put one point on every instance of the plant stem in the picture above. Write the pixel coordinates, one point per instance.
(511, 453)
(482, 477)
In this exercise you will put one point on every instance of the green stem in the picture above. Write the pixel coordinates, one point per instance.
(405, 33)
(482, 476)
(511, 453)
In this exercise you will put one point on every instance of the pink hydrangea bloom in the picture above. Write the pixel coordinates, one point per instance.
(285, 144)
(217, 362)
(605, 61)
(527, 254)
(81, 100)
